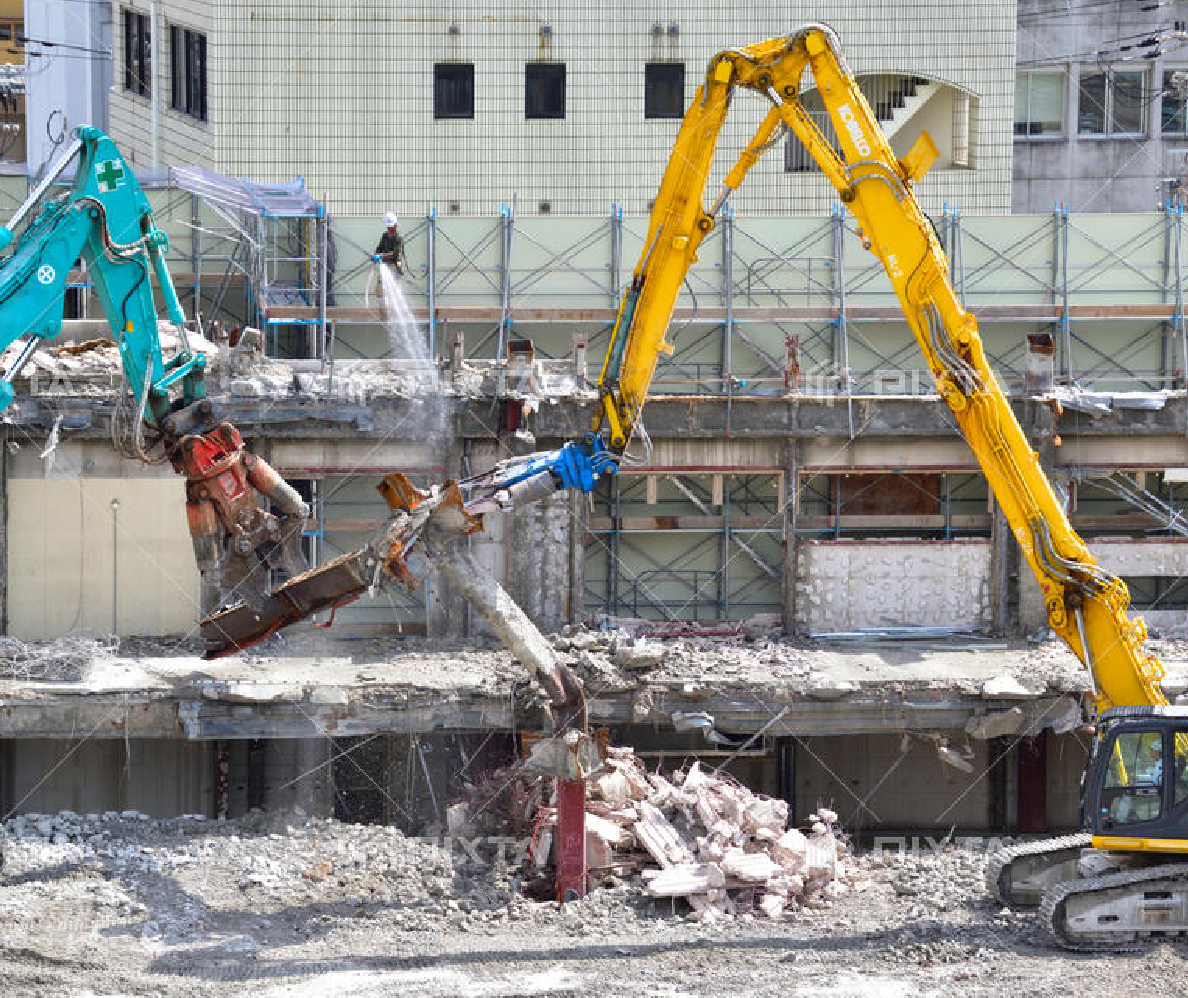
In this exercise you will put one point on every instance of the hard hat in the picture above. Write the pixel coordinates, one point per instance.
(389, 220)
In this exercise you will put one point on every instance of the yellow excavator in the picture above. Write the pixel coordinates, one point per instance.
(1126, 877)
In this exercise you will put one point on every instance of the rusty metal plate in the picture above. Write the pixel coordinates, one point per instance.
(327, 587)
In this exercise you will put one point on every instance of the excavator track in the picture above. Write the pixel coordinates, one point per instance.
(1045, 854)
(1118, 911)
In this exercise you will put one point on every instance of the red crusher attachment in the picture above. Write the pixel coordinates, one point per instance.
(235, 541)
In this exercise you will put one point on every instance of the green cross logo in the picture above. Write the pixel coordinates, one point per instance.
(110, 175)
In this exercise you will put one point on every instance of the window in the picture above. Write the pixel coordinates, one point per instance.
(1179, 769)
(138, 56)
(664, 90)
(1175, 93)
(544, 90)
(453, 90)
(1039, 104)
(188, 64)
(1111, 103)
(1133, 789)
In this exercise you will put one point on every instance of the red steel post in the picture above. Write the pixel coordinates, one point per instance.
(571, 840)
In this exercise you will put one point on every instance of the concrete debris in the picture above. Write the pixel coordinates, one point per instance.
(1098, 404)
(699, 721)
(639, 654)
(1067, 715)
(997, 725)
(718, 845)
(284, 905)
(1005, 688)
(950, 757)
(98, 356)
(825, 688)
(67, 659)
(761, 625)
(697, 834)
(93, 367)
(909, 633)
(252, 692)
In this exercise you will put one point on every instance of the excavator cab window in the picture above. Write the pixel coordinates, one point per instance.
(1133, 789)
(1179, 741)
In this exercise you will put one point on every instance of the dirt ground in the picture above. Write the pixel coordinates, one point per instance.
(113, 905)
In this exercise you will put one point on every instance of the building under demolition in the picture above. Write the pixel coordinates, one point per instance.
(800, 574)
(839, 600)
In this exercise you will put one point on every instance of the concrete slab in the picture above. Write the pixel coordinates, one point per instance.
(303, 688)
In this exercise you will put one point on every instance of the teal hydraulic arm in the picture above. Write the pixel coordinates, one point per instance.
(104, 219)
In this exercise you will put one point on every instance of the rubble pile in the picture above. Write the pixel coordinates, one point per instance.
(154, 870)
(95, 357)
(287, 905)
(723, 848)
(618, 659)
(65, 659)
(938, 879)
(943, 906)
(697, 835)
(238, 367)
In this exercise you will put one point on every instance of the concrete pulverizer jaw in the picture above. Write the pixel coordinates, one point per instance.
(237, 542)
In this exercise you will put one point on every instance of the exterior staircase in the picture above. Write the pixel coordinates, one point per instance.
(896, 99)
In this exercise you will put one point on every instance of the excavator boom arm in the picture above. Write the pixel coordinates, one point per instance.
(1085, 605)
(105, 219)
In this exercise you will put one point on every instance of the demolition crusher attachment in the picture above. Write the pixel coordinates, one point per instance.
(423, 534)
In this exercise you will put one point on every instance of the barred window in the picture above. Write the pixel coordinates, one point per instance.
(138, 56)
(188, 55)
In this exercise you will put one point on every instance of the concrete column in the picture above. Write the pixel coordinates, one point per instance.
(538, 560)
(579, 521)
(297, 775)
(1003, 553)
(786, 774)
(999, 812)
(791, 546)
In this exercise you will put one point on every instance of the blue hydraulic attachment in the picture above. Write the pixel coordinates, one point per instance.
(579, 464)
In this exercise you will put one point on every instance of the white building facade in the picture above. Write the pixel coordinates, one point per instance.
(564, 108)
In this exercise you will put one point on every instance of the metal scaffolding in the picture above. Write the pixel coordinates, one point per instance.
(775, 308)
(273, 244)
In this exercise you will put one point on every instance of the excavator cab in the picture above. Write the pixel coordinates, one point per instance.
(1136, 797)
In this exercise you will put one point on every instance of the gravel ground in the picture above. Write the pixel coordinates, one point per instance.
(117, 905)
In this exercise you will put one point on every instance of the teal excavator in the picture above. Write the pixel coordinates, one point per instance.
(103, 218)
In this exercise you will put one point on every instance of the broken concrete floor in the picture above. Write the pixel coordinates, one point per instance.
(120, 904)
(300, 685)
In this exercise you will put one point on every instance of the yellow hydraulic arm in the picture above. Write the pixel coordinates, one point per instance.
(1085, 605)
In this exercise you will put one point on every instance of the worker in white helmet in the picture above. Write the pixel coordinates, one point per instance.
(391, 245)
